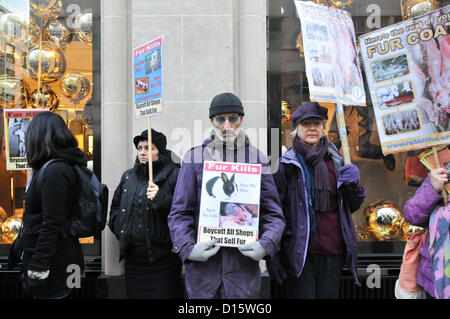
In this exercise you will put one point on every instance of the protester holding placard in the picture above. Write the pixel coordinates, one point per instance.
(427, 209)
(318, 194)
(138, 219)
(213, 271)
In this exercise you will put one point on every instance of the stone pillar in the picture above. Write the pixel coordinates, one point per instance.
(116, 135)
(251, 65)
(250, 23)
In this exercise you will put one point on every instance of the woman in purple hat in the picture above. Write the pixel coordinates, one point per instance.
(318, 194)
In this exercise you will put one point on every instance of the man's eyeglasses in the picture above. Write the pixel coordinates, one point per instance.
(232, 119)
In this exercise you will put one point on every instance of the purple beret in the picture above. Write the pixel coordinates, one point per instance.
(309, 110)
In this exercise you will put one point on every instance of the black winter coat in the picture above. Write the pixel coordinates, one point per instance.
(156, 238)
(45, 243)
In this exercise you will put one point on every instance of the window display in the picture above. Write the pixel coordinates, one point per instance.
(46, 62)
(390, 180)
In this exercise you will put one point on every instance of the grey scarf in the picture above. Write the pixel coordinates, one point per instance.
(218, 147)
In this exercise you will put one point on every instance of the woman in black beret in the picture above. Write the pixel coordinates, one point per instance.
(138, 219)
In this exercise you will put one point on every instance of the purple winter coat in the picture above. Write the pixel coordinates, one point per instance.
(228, 274)
(417, 212)
(294, 242)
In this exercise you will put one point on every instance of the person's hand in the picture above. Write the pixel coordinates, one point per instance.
(152, 190)
(253, 250)
(203, 251)
(348, 174)
(438, 177)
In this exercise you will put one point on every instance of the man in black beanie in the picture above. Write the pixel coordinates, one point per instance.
(231, 272)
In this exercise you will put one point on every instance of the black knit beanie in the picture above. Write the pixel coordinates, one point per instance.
(225, 103)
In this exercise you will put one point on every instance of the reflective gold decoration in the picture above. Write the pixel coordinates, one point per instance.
(83, 26)
(13, 28)
(409, 229)
(3, 215)
(75, 86)
(46, 98)
(285, 113)
(13, 92)
(299, 45)
(340, 4)
(414, 8)
(33, 32)
(57, 32)
(384, 219)
(11, 228)
(47, 8)
(53, 63)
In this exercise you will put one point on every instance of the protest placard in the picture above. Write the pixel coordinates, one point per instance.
(229, 206)
(331, 58)
(407, 68)
(16, 125)
(148, 78)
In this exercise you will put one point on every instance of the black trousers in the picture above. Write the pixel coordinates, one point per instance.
(146, 281)
(319, 279)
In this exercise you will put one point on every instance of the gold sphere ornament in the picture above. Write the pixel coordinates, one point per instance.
(340, 4)
(57, 32)
(285, 113)
(11, 228)
(414, 8)
(46, 99)
(3, 215)
(13, 92)
(384, 219)
(75, 86)
(83, 27)
(47, 8)
(53, 63)
(409, 229)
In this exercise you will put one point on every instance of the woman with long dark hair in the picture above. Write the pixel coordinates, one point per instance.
(48, 250)
(138, 219)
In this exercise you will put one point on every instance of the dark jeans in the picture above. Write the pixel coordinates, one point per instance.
(147, 281)
(319, 279)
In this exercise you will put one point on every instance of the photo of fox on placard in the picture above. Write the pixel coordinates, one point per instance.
(153, 61)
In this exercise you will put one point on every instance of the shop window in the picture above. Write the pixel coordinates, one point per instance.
(47, 54)
(389, 180)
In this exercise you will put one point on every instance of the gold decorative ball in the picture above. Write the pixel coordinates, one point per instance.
(409, 229)
(53, 63)
(13, 92)
(46, 99)
(47, 8)
(83, 26)
(75, 86)
(384, 219)
(11, 228)
(421, 8)
(285, 113)
(3, 215)
(57, 32)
